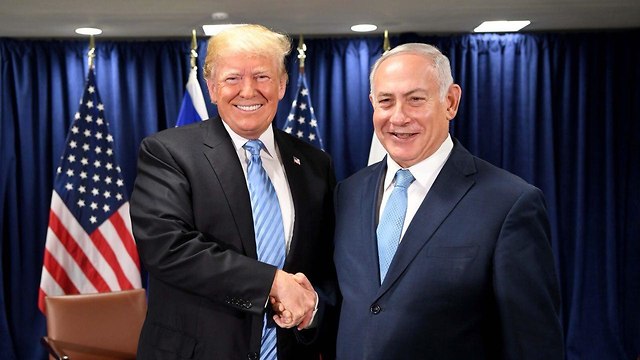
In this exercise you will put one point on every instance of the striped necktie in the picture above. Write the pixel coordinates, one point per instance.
(392, 221)
(267, 223)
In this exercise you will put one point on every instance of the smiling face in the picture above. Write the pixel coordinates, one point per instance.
(247, 88)
(409, 116)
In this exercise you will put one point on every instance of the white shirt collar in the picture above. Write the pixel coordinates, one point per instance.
(424, 170)
(266, 137)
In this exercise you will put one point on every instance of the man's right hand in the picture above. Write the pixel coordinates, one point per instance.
(293, 303)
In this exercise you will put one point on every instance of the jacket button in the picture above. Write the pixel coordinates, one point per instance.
(252, 356)
(375, 309)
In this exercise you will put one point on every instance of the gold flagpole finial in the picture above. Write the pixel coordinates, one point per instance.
(301, 52)
(194, 48)
(92, 51)
(385, 44)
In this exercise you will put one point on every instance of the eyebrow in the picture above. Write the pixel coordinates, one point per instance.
(239, 72)
(230, 72)
(408, 93)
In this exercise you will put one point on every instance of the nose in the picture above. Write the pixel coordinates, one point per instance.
(247, 89)
(398, 116)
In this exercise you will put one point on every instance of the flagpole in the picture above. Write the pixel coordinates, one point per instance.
(385, 44)
(194, 48)
(301, 53)
(92, 51)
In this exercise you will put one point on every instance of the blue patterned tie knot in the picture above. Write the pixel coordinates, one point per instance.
(392, 221)
(254, 147)
(404, 178)
(269, 231)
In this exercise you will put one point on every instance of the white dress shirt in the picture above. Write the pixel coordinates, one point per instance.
(425, 172)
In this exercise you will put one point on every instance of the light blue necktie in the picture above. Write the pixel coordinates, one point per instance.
(267, 223)
(392, 221)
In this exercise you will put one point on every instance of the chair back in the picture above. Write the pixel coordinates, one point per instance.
(96, 326)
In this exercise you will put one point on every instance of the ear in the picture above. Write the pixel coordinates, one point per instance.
(452, 100)
(213, 95)
(371, 100)
(282, 87)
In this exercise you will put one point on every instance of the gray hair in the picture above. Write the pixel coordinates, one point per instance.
(440, 63)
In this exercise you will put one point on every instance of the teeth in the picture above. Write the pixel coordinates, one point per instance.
(248, 107)
(403, 135)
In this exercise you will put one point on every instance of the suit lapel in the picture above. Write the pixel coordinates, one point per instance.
(451, 185)
(370, 204)
(222, 156)
(294, 170)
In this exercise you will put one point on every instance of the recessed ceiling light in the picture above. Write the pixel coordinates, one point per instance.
(88, 31)
(501, 26)
(211, 30)
(219, 15)
(363, 27)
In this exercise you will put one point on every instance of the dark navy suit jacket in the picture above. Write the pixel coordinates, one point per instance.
(193, 226)
(473, 277)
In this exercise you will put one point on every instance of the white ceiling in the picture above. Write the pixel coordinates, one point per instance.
(176, 18)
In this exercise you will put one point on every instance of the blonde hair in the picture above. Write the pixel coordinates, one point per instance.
(247, 39)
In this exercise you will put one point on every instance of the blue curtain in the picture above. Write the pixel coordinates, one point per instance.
(560, 110)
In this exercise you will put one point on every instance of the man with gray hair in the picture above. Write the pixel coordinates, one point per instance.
(439, 254)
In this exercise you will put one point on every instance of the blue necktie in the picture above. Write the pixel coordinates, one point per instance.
(267, 223)
(392, 221)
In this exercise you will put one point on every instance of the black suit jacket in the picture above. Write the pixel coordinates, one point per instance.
(193, 226)
(473, 277)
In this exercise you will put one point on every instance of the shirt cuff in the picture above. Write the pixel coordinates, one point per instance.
(313, 322)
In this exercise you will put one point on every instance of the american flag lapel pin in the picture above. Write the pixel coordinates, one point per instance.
(296, 160)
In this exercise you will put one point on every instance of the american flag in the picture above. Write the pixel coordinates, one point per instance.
(89, 246)
(302, 121)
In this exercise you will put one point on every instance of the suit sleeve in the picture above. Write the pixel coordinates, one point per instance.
(174, 252)
(526, 285)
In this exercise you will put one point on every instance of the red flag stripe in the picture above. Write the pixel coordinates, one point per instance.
(128, 265)
(68, 264)
(69, 242)
(124, 231)
(59, 274)
(41, 306)
(111, 259)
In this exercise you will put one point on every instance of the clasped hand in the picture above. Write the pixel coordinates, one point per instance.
(292, 299)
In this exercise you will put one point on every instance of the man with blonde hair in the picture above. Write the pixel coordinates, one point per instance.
(233, 219)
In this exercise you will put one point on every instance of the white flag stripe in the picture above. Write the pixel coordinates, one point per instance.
(84, 242)
(195, 92)
(126, 263)
(134, 273)
(49, 284)
(124, 214)
(68, 263)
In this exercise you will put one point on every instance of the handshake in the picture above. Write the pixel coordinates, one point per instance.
(292, 299)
